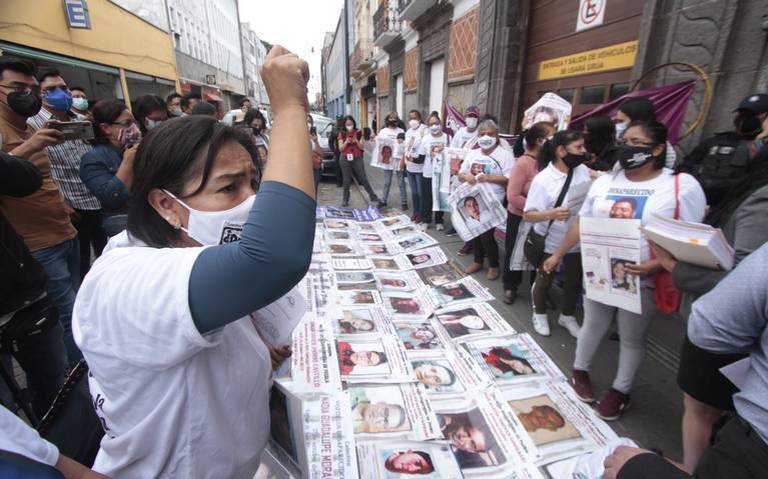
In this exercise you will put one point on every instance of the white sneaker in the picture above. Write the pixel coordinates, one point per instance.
(439, 227)
(569, 323)
(423, 226)
(541, 324)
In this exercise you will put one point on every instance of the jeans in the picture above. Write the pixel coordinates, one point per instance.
(426, 203)
(598, 317)
(400, 184)
(571, 288)
(485, 245)
(415, 180)
(511, 279)
(355, 168)
(89, 233)
(62, 264)
(318, 174)
(44, 361)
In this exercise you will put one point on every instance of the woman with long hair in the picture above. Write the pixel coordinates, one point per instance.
(351, 160)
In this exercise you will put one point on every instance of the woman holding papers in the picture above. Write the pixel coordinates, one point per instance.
(562, 158)
(707, 394)
(640, 188)
(179, 375)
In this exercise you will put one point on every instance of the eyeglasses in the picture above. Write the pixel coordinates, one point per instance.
(24, 88)
(126, 123)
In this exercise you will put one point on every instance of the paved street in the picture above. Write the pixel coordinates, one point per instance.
(653, 419)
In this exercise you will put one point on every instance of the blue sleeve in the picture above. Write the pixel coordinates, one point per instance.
(102, 182)
(230, 281)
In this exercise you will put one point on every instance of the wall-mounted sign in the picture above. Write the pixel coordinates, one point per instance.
(614, 57)
(210, 79)
(591, 14)
(77, 14)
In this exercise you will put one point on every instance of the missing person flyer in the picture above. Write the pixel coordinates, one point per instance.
(559, 425)
(465, 290)
(412, 306)
(608, 245)
(326, 445)
(465, 321)
(386, 411)
(313, 362)
(379, 360)
(475, 210)
(397, 458)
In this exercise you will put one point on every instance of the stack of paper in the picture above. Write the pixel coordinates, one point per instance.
(694, 243)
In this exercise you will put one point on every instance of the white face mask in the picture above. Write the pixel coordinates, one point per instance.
(414, 124)
(471, 122)
(620, 129)
(211, 228)
(486, 142)
(350, 127)
(435, 128)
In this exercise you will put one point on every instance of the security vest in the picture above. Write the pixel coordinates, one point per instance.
(719, 163)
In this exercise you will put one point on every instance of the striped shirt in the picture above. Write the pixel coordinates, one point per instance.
(65, 166)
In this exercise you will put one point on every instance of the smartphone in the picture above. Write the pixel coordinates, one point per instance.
(72, 130)
(313, 131)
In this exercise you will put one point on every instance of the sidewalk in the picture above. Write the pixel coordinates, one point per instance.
(655, 415)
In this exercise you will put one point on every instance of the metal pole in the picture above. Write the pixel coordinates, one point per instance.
(348, 87)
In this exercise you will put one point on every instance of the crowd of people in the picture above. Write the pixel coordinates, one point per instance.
(165, 196)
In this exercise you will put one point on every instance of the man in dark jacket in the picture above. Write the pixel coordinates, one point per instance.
(23, 284)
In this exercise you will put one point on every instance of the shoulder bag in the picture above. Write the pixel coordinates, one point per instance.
(666, 296)
(534, 243)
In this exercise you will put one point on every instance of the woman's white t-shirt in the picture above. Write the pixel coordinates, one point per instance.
(462, 136)
(641, 199)
(413, 147)
(427, 141)
(19, 438)
(397, 152)
(173, 402)
(542, 196)
(499, 163)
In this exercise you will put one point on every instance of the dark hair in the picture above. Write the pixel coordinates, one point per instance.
(757, 177)
(17, 65)
(401, 136)
(505, 353)
(349, 118)
(639, 109)
(171, 97)
(48, 74)
(657, 132)
(435, 115)
(171, 155)
(78, 88)
(397, 117)
(105, 111)
(242, 102)
(562, 138)
(629, 200)
(390, 466)
(252, 114)
(600, 133)
(366, 134)
(417, 112)
(143, 106)
(204, 108)
(537, 131)
(189, 96)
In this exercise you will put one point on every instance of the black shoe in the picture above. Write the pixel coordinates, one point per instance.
(380, 204)
(451, 231)
(404, 207)
(345, 204)
(509, 296)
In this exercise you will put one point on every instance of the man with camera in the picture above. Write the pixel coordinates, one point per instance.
(84, 208)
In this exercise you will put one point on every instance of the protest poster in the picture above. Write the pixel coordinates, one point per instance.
(419, 304)
(394, 222)
(511, 359)
(357, 297)
(381, 411)
(359, 321)
(475, 209)
(415, 242)
(387, 249)
(419, 336)
(384, 154)
(427, 257)
(342, 248)
(441, 274)
(404, 230)
(354, 277)
(390, 263)
(454, 157)
(372, 237)
(558, 423)
(608, 245)
(577, 194)
(371, 213)
(397, 282)
(465, 290)
(350, 263)
(398, 459)
(338, 235)
(518, 261)
(471, 320)
(441, 180)
(380, 360)
(276, 321)
(333, 224)
(550, 108)
(313, 362)
(369, 227)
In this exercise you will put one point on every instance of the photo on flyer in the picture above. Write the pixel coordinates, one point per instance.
(440, 274)
(397, 282)
(394, 222)
(424, 258)
(357, 298)
(361, 321)
(416, 305)
(386, 411)
(415, 242)
(384, 154)
(403, 459)
(419, 336)
(380, 360)
(465, 290)
(466, 321)
(385, 249)
(439, 375)
(475, 209)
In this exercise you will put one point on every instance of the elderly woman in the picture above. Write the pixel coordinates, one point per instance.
(491, 164)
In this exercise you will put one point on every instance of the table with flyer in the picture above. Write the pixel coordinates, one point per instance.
(402, 366)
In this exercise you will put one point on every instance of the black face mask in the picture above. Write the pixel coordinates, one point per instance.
(391, 123)
(747, 125)
(631, 157)
(572, 161)
(24, 104)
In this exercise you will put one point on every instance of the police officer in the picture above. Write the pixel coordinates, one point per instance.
(720, 162)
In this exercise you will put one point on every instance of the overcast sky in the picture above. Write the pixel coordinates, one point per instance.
(298, 25)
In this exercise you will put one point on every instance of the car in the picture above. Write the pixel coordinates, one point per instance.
(324, 128)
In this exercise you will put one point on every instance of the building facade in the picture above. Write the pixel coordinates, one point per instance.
(335, 95)
(254, 54)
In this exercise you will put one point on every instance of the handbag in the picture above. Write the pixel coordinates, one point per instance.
(534, 242)
(666, 296)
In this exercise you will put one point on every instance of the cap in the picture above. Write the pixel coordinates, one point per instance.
(473, 111)
(757, 103)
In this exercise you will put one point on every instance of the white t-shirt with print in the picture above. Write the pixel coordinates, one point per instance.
(542, 196)
(426, 146)
(641, 199)
(498, 163)
(19, 438)
(462, 136)
(174, 403)
(397, 153)
(413, 145)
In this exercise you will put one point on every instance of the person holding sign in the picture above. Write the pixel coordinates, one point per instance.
(392, 166)
(654, 189)
(163, 319)
(563, 159)
(351, 161)
(487, 164)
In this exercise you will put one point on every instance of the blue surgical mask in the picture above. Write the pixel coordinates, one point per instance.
(151, 124)
(80, 103)
(59, 99)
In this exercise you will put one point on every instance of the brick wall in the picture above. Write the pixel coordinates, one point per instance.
(463, 51)
(409, 71)
(382, 80)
